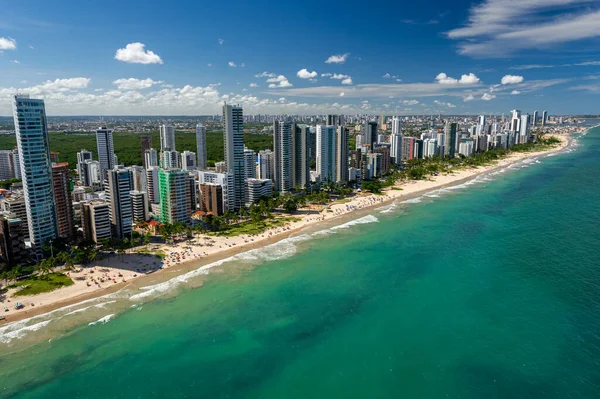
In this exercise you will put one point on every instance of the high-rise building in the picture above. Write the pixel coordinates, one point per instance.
(95, 220)
(370, 134)
(17, 164)
(146, 144)
(63, 200)
(544, 117)
(82, 156)
(211, 198)
(12, 240)
(150, 158)
(167, 138)
(326, 153)
(106, 149)
(225, 180)
(300, 156)
(335, 120)
(117, 194)
(266, 164)
(249, 163)
(15, 204)
(515, 120)
(175, 196)
(451, 136)
(7, 168)
(534, 118)
(525, 129)
(139, 181)
(90, 173)
(170, 160)
(139, 205)
(188, 160)
(396, 125)
(257, 189)
(233, 132)
(34, 150)
(282, 147)
(54, 157)
(396, 142)
(408, 148)
(384, 150)
(201, 146)
(341, 157)
(152, 184)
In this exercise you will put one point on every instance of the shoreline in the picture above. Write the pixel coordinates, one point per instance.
(226, 247)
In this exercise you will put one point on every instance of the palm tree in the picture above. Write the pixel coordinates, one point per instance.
(92, 255)
(13, 274)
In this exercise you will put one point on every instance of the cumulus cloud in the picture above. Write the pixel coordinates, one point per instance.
(135, 53)
(253, 85)
(511, 79)
(265, 75)
(15, 61)
(443, 104)
(342, 94)
(231, 64)
(337, 59)
(279, 81)
(305, 74)
(515, 92)
(410, 102)
(221, 41)
(347, 81)
(469, 79)
(7, 43)
(468, 98)
(135, 84)
(487, 97)
(387, 76)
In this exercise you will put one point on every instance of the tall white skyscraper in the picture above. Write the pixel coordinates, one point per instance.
(525, 129)
(82, 156)
(233, 132)
(282, 147)
(396, 145)
(170, 160)
(326, 153)
(396, 125)
(544, 117)
(515, 120)
(266, 164)
(36, 171)
(7, 168)
(167, 138)
(250, 163)
(188, 160)
(17, 163)
(201, 146)
(106, 148)
(151, 158)
(534, 118)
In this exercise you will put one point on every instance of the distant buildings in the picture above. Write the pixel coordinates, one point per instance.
(150, 158)
(370, 134)
(146, 144)
(544, 117)
(188, 160)
(170, 160)
(82, 157)
(32, 141)
(7, 167)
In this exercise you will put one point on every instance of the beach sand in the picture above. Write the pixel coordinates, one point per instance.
(116, 272)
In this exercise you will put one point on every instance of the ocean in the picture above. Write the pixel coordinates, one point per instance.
(489, 289)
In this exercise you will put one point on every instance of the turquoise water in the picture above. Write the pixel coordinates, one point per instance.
(489, 290)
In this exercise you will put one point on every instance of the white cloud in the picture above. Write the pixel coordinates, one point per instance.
(443, 104)
(208, 65)
(470, 79)
(511, 79)
(15, 61)
(326, 74)
(500, 27)
(31, 47)
(515, 92)
(342, 94)
(253, 85)
(135, 53)
(7, 43)
(398, 80)
(387, 76)
(347, 81)
(487, 96)
(410, 102)
(221, 41)
(232, 64)
(265, 75)
(279, 81)
(135, 84)
(305, 74)
(468, 98)
(337, 59)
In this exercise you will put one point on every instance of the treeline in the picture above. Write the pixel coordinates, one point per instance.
(128, 147)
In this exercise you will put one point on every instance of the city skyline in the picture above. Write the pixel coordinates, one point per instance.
(460, 58)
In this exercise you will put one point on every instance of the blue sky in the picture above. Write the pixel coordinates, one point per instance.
(393, 57)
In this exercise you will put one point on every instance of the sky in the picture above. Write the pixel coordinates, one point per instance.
(392, 57)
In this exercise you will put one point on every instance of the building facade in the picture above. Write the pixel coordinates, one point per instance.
(117, 194)
(233, 131)
(326, 153)
(64, 205)
(282, 148)
(201, 146)
(175, 196)
(167, 138)
(106, 149)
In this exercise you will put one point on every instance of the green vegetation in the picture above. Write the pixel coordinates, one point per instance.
(252, 227)
(5, 184)
(44, 283)
(128, 147)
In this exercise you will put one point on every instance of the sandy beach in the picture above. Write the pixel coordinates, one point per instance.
(116, 272)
